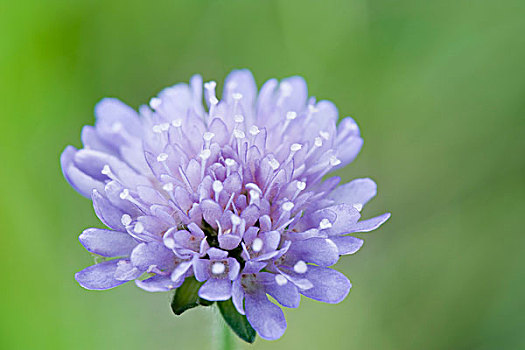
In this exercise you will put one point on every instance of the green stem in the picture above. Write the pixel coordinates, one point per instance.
(223, 336)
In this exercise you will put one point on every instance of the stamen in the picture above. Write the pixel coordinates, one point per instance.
(295, 147)
(139, 228)
(162, 157)
(155, 102)
(358, 206)
(217, 186)
(205, 154)
(291, 115)
(176, 123)
(300, 267)
(218, 268)
(334, 161)
(324, 224)
(324, 134)
(254, 130)
(124, 194)
(257, 245)
(239, 134)
(274, 164)
(208, 136)
(287, 206)
(125, 219)
(168, 187)
(238, 118)
(106, 170)
(236, 220)
(280, 280)
(301, 185)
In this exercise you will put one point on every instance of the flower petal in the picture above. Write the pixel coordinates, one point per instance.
(370, 224)
(347, 244)
(285, 293)
(264, 316)
(320, 251)
(99, 276)
(107, 242)
(216, 289)
(157, 283)
(357, 192)
(329, 286)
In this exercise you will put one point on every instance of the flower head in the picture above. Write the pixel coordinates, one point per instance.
(230, 194)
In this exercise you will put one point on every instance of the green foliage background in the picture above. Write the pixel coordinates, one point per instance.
(437, 88)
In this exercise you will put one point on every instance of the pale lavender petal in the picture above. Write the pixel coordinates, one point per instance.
(110, 215)
(347, 244)
(320, 251)
(370, 224)
(238, 296)
(216, 289)
(107, 243)
(150, 254)
(329, 286)
(99, 276)
(357, 192)
(157, 283)
(284, 292)
(264, 316)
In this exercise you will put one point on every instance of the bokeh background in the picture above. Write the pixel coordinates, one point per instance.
(437, 88)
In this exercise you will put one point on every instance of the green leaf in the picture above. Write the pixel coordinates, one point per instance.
(237, 322)
(186, 296)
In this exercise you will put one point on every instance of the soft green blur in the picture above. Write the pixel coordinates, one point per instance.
(437, 88)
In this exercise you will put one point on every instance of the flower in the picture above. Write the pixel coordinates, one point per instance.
(231, 195)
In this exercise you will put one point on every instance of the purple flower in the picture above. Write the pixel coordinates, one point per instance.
(230, 193)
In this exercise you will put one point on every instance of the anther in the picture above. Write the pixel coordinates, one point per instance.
(257, 245)
(168, 187)
(324, 224)
(218, 268)
(300, 267)
(155, 102)
(295, 147)
(291, 115)
(162, 157)
(334, 161)
(238, 118)
(254, 130)
(139, 228)
(208, 136)
(280, 280)
(125, 219)
(217, 186)
(239, 134)
(287, 206)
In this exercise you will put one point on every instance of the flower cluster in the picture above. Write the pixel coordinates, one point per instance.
(230, 193)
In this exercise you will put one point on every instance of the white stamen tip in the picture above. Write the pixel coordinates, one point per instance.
(254, 195)
(168, 187)
(287, 206)
(300, 267)
(229, 162)
(176, 123)
(218, 268)
(239, 134)
(214, 100)
(358, 206)
(164, 126)
(156, 129)
(280, 280)
(295, 147)
(257, 244)
(208, 136)
(254, 130)
(235, 220)
(291, 115)
(324, 134)
(236, 96)
(125, 219)
(124, 194)
(205, 154)
(217, 186)
(238, 118)
(324, 224)
(155, 102)
(210, 85)
(334, 161)
(162, 157)
(253, 186)
(318, 142)
(106, 170)
(139, 228)
(301, 185)
(274, 164)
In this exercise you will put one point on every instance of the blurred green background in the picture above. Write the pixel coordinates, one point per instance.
(437, 88)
